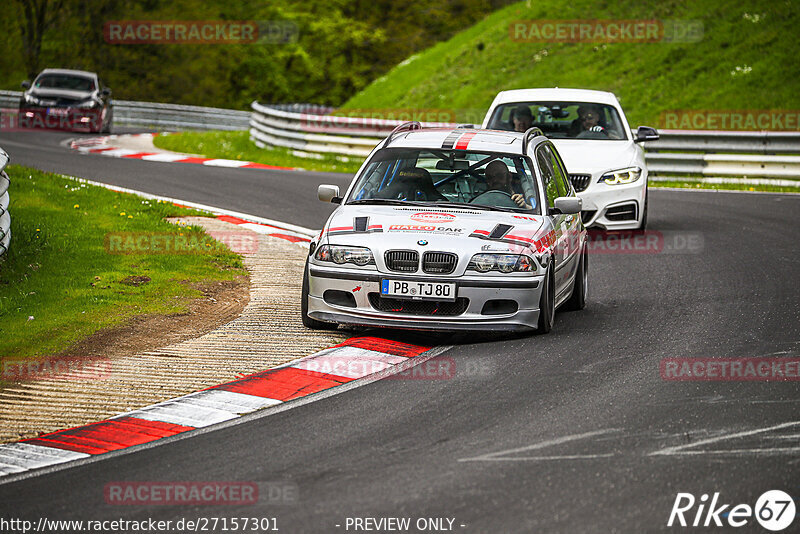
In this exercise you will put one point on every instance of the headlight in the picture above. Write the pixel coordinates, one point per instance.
(88, 104)
(622, 176)
(32, 100)
(505, 263)
(339, 254)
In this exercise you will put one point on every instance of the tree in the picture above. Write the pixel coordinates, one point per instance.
(38, 16)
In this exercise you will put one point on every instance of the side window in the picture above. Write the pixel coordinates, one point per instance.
(548, 175)
(560, 173)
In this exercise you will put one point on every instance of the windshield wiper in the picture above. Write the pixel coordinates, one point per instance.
(390, 201)
(474, 206)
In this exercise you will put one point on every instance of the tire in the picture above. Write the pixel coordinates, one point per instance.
(547, 304)
(643, 224)
(577, 301)
(308, 322)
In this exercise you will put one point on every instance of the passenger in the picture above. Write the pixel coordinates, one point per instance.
(498, 178)
(412, 184)
(521, 118)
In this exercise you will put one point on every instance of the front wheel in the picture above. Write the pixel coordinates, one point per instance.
(309, 322)
(547, 304)
(577, 301)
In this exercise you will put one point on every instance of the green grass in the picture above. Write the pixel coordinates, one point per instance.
(237, 145)
(464, 74)
(58, 283)
(688, 183)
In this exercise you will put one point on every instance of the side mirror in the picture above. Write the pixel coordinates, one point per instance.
(329, 193)
(568, 205)
(26, 84)
(646, 133)
(106, 91)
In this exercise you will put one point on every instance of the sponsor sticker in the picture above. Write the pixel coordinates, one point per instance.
(433, 217)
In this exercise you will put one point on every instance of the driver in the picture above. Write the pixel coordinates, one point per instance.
(498, 178)
(588, 120)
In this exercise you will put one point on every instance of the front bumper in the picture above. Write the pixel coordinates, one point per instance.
(525, 291)
(601, 200)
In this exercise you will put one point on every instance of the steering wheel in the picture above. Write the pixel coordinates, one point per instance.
(593, 134)
(501, 199)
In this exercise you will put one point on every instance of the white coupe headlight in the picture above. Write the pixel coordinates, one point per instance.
(340, 255)
(622, 176)
(505, 263)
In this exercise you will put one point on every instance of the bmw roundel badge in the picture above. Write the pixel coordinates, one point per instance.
(422, 242)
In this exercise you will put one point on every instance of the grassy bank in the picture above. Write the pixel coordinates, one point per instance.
(237, 145)
(60, 283)
(744, 61)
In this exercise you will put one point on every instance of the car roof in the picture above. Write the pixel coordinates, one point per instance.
(472, 139)
(556, 93)
(84, 73)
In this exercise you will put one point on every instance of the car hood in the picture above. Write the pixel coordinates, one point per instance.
(592, 156)
(61, 93)
(457, 230)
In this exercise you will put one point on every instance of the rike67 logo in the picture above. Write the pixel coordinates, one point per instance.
(774, 510)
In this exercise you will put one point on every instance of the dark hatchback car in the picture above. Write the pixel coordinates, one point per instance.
(66, 100)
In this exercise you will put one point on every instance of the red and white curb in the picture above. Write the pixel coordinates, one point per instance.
(114, 146)
(355, 359)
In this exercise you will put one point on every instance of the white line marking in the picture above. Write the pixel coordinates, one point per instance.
(307, 232)
(539, 458)
(541, 445)
(774, 450)
(679, 449)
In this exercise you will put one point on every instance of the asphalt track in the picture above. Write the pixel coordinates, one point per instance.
(574, 431)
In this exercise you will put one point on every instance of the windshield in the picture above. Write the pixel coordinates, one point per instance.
(477, 180)
(561, 120)
(64, 81)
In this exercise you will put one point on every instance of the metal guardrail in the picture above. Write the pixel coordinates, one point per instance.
(761, 154)
(317, 134)
(5, 216)
(161, 116)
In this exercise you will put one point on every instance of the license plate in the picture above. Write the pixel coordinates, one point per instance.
(58, 112)
(418, 290)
